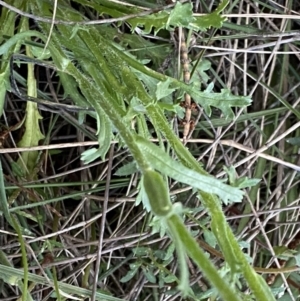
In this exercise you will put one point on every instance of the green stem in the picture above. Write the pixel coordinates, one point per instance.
(192, 248)
(24, 258)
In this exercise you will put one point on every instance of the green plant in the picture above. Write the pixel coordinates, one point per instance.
(120, 87)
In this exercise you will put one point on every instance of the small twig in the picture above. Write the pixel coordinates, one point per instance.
(103, 220)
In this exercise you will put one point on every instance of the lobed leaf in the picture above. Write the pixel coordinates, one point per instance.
(223, 100)
(210, 20)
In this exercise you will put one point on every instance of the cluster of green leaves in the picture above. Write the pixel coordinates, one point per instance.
(120, 87)
(147, 260)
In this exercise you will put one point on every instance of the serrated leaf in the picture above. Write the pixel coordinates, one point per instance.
(180, 112)
(203, 66)
(224, 101)
(157, 21)
(160, 161)
(136, 107)
(163, 89)
(181, 15)
(158, 226)
(176, 108)
(245, 182)
(210, 20)
(142, 197)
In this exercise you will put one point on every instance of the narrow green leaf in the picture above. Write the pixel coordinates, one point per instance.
(24, 258)
(32, 134)
(294, 141)
(31, 137)
(4, 76)
(126, 170)
(7, 272)
(13, 278)
(163, 163)
(130, 274)
(198, 256)
(3, 200)
(18, 38)
(149, 275)
(170, 279)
